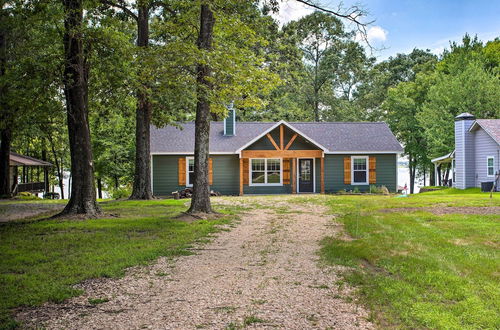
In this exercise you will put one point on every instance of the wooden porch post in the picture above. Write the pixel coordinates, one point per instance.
(294, 179)
(323, 175)
(241, 176)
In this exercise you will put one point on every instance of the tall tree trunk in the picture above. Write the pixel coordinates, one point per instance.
(45, 170)
(83, 199)
(413, 167)
(6, 136)
(59, 167)
(99, 188)
(5, 132)
(142, 175)
(432, 176)
(200, 201)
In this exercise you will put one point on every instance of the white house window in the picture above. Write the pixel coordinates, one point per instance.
(490, 163)
(359, 170)
(265, 171)
(189, 171)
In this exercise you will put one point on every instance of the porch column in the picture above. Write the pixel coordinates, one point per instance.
(322, 169)
(241, 176)
(436, 175)
(294, 178)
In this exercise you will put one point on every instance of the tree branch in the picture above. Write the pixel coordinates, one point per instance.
(163, 5)
(121, 5)
(352, 14)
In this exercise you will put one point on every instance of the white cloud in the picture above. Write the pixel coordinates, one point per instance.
(291, 11)
(438, 50)
(376, 33)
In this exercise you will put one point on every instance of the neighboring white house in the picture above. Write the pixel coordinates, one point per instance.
(476, 158)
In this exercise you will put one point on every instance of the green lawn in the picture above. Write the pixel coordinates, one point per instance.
(41, 260)
(415, 269)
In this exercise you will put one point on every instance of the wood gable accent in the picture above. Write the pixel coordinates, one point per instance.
(372, 170)
(289, 144)
(281, 150)
(272, 141)
(282, 138)
(282, 153)
(347, 170)
(182, 171)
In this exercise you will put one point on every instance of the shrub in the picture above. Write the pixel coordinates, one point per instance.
(342, 192)
(375, 190)
(356, 190)
(26, 196)
(121, 192)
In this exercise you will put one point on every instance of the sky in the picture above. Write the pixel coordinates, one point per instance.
(401, 25)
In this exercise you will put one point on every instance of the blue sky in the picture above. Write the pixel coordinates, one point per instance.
(401, 25)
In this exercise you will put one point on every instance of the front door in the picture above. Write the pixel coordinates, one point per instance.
(306, 175)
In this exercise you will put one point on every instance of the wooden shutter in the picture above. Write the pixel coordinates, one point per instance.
(286, 171)
(210, 172)
(347, 170)
(245, 171)
(182, 171)
(373, 172)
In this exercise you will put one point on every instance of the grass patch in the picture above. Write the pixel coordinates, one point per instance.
(97, 301)
(41, 260)
(417, 269)
(249, 320)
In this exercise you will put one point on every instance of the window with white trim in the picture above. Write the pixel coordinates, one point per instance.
(265, 171)
(359, 170)
(490, 166)
(189, 171)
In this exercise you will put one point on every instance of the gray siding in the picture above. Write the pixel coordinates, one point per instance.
(484, 147)
(166, 174)
(386, 170)
(464, 155)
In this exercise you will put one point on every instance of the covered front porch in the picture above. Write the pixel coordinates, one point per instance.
(443, 166)
(28, 174)
(281, 160)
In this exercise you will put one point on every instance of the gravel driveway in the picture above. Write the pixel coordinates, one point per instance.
(263, 273)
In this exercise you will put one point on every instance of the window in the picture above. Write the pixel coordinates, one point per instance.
(359, 170)
(265, 171)
(490, 163)
(189, 171)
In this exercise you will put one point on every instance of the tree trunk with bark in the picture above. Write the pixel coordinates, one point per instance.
(99, 188)
(83, 199)
(6, 136)
(200, 201)
(413, 169)
(142, 175)
(6, 133)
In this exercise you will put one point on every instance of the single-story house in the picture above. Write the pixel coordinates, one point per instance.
(476, 158)
(278, 157)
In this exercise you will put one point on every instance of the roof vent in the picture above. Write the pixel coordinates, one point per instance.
(230, 122)
(465, 116)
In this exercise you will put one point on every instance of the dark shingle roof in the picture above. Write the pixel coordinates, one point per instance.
(492, 127)
(334, 136)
